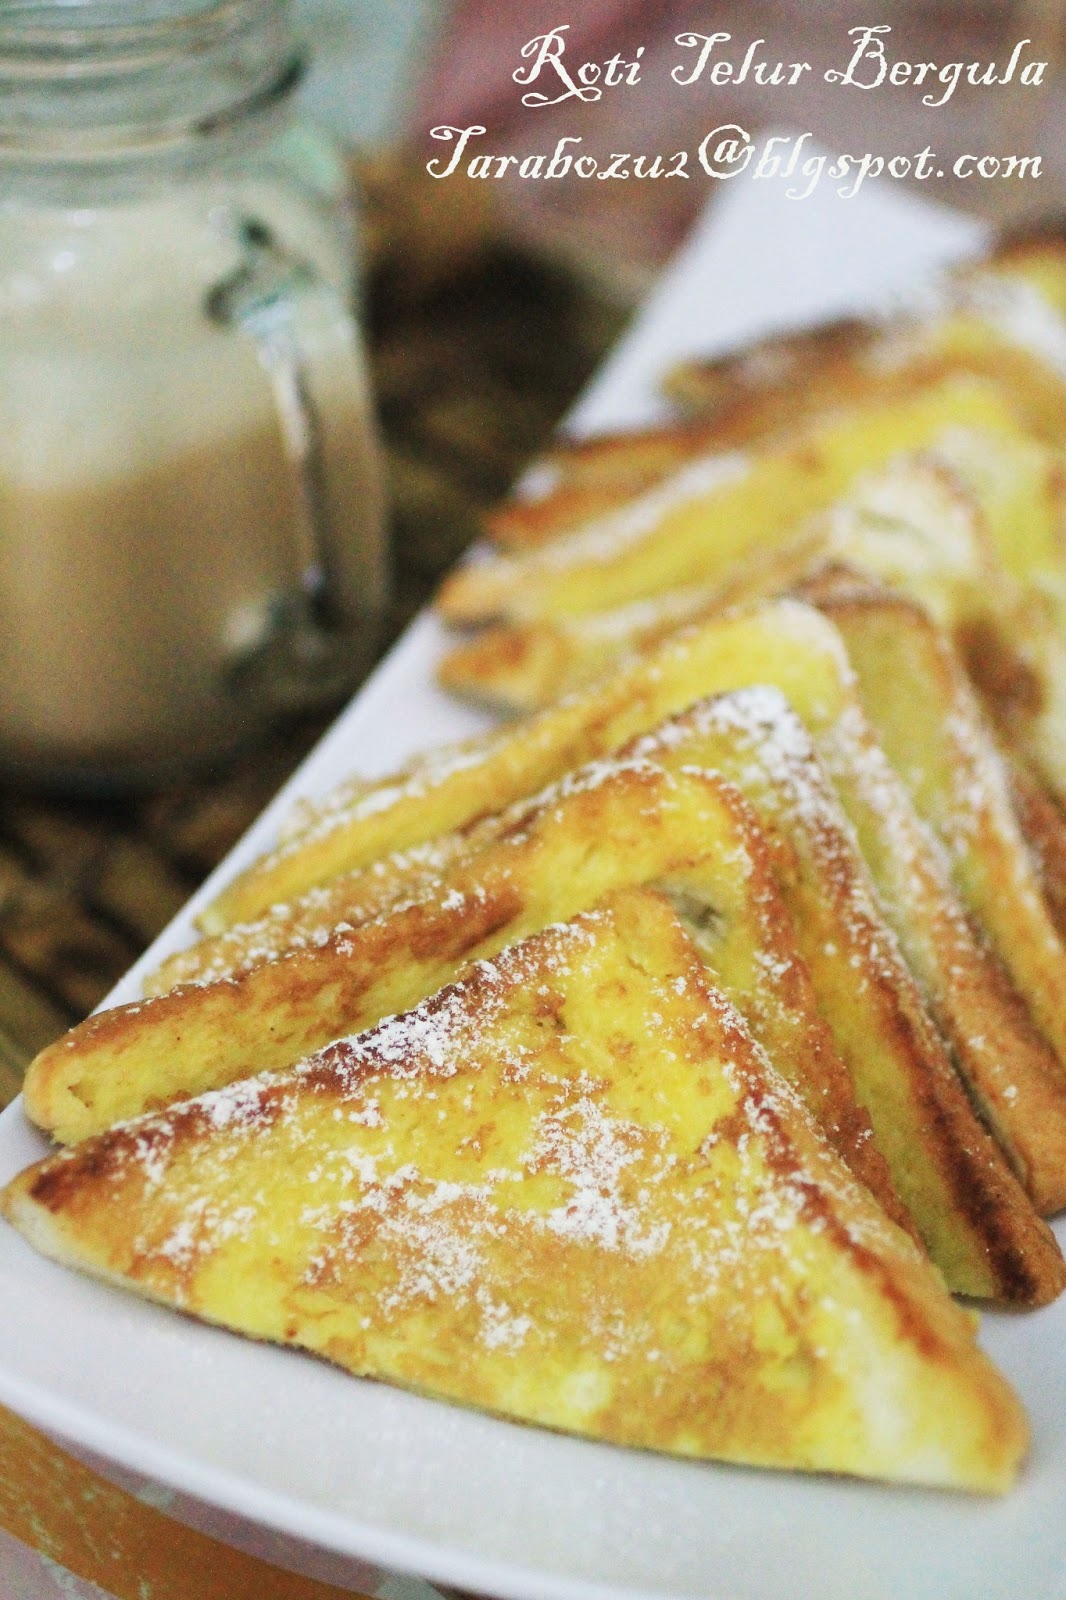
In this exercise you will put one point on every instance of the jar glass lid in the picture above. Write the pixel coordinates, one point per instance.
(82, 79)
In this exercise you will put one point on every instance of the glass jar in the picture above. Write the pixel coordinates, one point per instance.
(191, 529)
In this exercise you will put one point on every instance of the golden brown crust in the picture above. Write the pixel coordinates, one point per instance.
(725, 512)
(119, 1062)
(783, 643)
(841, 992)
(1009, 685)
(913, 527)
(926, 720)
(991, 1034)
(487, 1201)
(961, 789)
(581, 479)
(1044, 827)
(657, 815)
(302, 977)
(762, 389)
(898, 1063)
(749, 396)
(526, 666)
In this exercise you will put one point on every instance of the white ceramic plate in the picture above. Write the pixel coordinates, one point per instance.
(423, 1487)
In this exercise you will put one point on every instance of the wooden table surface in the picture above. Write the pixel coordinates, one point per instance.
(477, 348)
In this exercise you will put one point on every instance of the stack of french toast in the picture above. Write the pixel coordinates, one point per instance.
(664, 1065)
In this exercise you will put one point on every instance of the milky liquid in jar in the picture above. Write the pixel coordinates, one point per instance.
(190, 506)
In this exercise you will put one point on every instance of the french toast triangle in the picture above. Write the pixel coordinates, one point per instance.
(917, 525)
(1000, 319)
(755, 741)
(726, 511)
(797, 650)
(927, 721)
(784, 912)
(914, 527)
(781, 642)
(569, 1189)
(333, 966)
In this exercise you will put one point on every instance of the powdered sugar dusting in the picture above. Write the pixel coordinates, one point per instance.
(490, 1177)
(591, 1152)
(768, 746)
(396, 883)
(358, 800)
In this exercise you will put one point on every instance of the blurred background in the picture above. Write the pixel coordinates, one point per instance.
(390, 77)
(487, 306)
